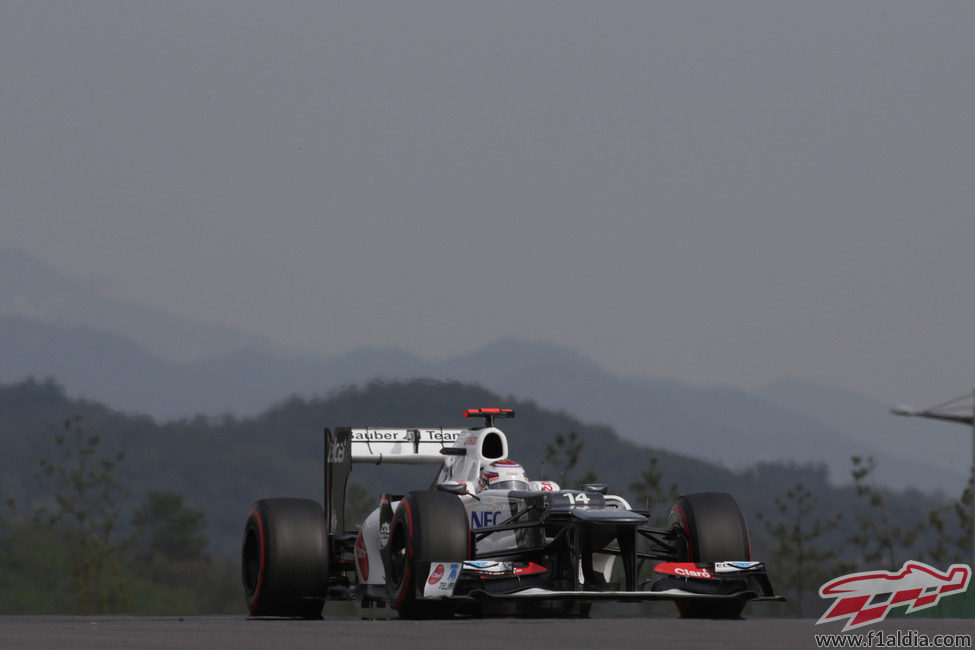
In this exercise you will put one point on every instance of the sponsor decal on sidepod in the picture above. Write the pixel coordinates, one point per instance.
(362, 556)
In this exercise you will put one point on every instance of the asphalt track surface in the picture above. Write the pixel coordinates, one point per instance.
(217, 632)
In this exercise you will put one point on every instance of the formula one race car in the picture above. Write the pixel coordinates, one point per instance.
(484, 540)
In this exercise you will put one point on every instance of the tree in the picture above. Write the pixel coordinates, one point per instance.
(358, 504)
(649, 490)
(963, 510)
(176, 573)
(87, 499)
(167, 533)
(877, 537)
(36, 565)
(801, 565)
(949, 545)
(940, 551)
(564, 453)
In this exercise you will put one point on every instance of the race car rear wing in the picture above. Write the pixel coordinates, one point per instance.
(347, 445)
(405, 446)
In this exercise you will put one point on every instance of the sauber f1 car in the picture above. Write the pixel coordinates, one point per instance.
(484, 540)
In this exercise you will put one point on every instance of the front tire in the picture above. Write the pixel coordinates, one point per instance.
(284, 559)
(714, 527)
(715, 531)
(427, 527)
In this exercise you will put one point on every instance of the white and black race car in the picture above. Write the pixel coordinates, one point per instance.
(484, 540)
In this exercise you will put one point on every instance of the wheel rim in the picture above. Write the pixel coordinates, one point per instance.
(252, 560)
(398, 556)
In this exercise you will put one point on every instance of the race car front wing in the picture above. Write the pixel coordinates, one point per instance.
(674, 581)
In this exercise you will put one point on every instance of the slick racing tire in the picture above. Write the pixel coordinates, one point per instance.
(284, 559)
(428, 526)
(713, 526)
(715, 531)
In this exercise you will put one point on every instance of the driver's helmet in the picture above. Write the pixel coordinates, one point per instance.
(503, 475)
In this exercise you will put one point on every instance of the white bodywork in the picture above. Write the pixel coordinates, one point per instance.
(486, 509)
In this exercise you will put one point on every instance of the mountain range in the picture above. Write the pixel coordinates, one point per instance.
(145, 361)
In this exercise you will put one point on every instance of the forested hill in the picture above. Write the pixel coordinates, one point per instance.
(789, 420)
(221, 466)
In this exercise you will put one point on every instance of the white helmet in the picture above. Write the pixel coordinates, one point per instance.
(503, 475)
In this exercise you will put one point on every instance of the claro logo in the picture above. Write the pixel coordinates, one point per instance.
(692, 573)
(684, 570)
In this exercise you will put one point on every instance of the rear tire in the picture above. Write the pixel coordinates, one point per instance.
(715, 531)
(284, 559)
(427, 527)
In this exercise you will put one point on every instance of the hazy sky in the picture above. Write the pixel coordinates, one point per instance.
(724, 192)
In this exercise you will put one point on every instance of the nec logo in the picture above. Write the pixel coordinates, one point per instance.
(484, 519)
(865, 598)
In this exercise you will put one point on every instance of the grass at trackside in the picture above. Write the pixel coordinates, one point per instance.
(957, 606)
